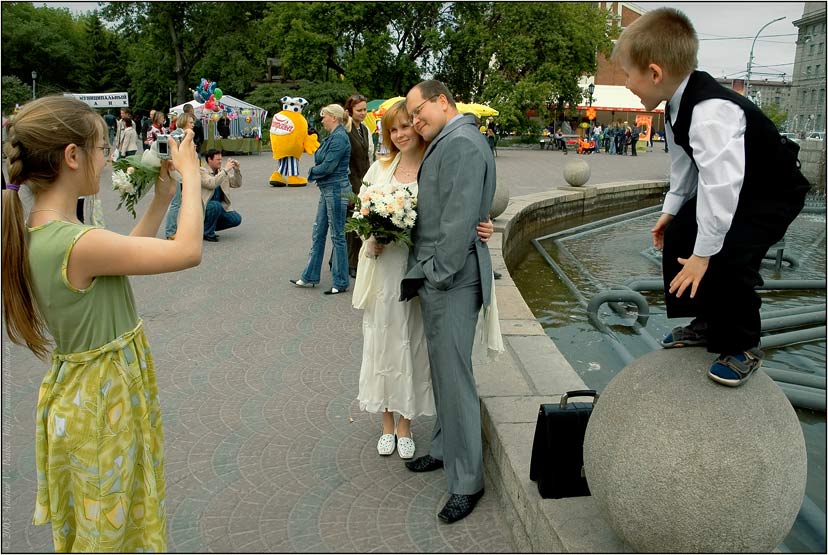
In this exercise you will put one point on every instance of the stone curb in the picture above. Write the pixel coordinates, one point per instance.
(533, 371)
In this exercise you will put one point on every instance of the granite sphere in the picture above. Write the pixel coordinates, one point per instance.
(500, 200)
(679, 463)
(576, 172)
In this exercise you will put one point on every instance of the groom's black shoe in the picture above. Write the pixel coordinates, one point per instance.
(426, 463)
(459, 506)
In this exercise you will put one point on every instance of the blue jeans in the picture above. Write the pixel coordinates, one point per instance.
(217, 218)
(172, 214)
(331, 212)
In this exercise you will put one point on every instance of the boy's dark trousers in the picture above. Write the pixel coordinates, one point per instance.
(725, 299)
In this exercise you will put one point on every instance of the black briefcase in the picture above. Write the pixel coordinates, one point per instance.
(558, 449)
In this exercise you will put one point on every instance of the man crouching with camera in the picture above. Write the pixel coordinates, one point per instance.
(214, 183)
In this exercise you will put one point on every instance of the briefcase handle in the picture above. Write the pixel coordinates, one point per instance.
(579, 393)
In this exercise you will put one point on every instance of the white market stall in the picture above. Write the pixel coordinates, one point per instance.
(245, 127)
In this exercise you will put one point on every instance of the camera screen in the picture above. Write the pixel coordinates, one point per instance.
(163, 147)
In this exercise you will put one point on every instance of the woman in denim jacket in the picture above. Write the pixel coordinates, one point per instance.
(331, 175)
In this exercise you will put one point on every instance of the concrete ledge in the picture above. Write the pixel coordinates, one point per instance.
(533, 371)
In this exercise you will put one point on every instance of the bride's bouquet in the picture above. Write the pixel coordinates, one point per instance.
(133, 176)
(387, 212)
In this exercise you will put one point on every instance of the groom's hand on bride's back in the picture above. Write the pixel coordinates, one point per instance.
(485, 230)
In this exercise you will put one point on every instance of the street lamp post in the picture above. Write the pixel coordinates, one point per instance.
(750, 58)
(34, 79)
(590, 89)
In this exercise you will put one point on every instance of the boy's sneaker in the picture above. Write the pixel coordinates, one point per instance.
(692, 335)
(734, 370)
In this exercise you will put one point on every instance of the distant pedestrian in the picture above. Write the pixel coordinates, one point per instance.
(198, 128)
(156, 129)
(111, 123)
(119, 128)
(634, 136)
(360, 139)
(146, 123)
(129, 140)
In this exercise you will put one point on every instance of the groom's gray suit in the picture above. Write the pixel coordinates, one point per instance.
(451, 270)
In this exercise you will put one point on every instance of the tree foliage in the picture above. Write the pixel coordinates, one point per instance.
(45, 40)
(15, 92)
(317, 93)
(516, 56)
(775, 114)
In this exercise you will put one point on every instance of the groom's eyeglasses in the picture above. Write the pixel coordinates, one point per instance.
(415, 113)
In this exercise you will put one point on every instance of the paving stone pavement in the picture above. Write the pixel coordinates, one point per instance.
(266, 448)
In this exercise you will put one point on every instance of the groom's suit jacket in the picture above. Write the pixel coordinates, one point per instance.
(456, 186)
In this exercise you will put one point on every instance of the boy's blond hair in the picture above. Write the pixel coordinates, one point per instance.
(664, 37)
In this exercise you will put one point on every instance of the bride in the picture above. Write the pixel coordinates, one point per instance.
(395, 376)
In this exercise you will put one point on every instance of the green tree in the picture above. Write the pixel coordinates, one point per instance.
(174, 44)
(104, 68)
(317, 93)
(520, 56)
(775, 114)
(380, 47)
(15, 92)
(43, 39)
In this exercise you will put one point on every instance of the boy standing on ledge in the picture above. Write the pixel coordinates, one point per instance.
(735, 187)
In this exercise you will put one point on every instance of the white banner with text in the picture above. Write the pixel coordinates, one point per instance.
(103, 100)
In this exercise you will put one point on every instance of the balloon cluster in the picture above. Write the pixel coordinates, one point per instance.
(209, 93)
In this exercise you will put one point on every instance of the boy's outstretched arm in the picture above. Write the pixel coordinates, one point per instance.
(658, 230)
(691, 274)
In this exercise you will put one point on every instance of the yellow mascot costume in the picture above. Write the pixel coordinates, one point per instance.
(289, 139)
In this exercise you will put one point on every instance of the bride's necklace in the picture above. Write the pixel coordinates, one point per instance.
(406, 173)
(61, 214)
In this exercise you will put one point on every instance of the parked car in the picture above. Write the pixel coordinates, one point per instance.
(816, 136)
(790, 137)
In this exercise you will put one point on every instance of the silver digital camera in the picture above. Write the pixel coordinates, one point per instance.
(162, 146)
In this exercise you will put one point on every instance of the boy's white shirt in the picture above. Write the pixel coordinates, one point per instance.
(717, 137)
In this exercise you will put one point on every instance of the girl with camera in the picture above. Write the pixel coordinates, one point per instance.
(99, 441)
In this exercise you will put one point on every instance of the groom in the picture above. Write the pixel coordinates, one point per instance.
(451, 271)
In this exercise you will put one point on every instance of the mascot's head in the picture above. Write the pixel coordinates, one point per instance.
(293, 104)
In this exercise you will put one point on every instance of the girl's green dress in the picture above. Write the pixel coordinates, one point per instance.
(99, 449)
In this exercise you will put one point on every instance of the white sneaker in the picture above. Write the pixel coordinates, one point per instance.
(405, 447)
(386, 444)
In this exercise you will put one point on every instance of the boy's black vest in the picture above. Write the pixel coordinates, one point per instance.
(771, 161)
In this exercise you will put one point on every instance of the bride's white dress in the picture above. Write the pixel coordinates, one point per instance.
(395, 373)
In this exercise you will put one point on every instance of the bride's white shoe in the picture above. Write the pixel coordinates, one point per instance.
(386, 444)
(405, 447)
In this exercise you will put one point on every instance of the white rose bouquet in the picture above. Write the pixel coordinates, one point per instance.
(133, 176)
(387, 212)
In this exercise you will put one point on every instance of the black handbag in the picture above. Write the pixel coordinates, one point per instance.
(558, 448)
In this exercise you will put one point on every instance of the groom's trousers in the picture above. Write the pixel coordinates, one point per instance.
(450, 318)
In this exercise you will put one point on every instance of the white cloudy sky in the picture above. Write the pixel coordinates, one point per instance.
(717, 24)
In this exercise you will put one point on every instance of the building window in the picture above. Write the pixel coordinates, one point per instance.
(821, 96)
(813, 96)
(811, 50)
(808, 71)
(816, 71)
(820, 48)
